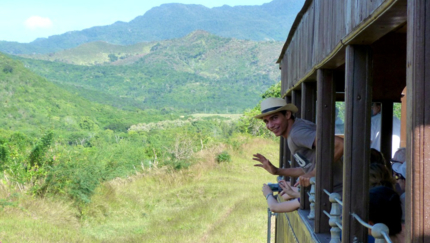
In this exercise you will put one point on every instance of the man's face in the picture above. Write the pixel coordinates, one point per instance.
(277, 123)
(375, 109)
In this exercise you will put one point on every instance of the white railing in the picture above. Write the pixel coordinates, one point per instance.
(379, 231)
(311, 195)
(335, 216)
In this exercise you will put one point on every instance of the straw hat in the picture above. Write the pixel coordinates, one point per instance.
(273, 105)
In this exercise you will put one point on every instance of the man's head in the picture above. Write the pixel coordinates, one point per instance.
(376, 108)
(273, 105)
(276, 113)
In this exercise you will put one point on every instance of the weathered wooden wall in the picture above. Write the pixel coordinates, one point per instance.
(316, 35)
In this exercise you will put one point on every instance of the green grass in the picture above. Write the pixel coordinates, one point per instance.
(209, 202)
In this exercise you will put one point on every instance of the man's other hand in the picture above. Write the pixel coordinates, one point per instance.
(265, 163)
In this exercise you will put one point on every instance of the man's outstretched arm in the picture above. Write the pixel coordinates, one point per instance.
(265, 163)
(338, 148)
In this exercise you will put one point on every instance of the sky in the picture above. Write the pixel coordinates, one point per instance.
(26, 20)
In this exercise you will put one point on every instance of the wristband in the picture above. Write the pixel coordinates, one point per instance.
(269, 194)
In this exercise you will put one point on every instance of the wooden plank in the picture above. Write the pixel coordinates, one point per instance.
(324, 147)
(348, 14)
(403, 120)
(309, 97)
(418, 125)
(287, 153)
(308, 111)
(311, 26)
(316, 48)
(358, 70)
(281, 152)
(324, 26)
(296, 99)
(386, 129)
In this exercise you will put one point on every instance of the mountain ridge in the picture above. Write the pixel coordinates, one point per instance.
(221, 73)
(270, 21)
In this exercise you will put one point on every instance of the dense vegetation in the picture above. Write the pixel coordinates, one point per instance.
(198, 73)
(270, 21)
(55, 143)
(209, 202)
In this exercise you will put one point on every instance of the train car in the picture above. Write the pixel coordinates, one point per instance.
(358, 52)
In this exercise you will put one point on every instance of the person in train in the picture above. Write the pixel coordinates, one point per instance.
(301, 139)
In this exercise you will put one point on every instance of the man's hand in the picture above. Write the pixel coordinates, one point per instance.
(265, 163)
(304, 180)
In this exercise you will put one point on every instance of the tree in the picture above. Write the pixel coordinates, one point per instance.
(112, 57)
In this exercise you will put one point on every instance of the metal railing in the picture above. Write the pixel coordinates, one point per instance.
(269, 223)
(379, 231)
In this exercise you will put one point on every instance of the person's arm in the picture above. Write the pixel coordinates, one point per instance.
(304, 180)
(338, 148)
(265, 163)
(279, 207)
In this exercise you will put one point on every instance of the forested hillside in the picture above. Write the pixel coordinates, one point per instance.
(198, 73)
(29, 102)
(270, 21)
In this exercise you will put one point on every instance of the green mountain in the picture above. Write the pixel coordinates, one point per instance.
(197, 73)
(270, 21)
(97, 53)
(29, 102)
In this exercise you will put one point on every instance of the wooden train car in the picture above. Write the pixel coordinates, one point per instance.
(359, 52)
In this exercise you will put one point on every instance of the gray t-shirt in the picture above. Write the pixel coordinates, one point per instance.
(301, 140)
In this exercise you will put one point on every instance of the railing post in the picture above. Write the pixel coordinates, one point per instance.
(378, 231)
(269, 224)
(312, 199)
(335, 214)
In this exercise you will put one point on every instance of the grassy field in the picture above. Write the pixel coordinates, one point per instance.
(210, 202)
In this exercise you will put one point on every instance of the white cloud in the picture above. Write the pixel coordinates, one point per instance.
(35, 22)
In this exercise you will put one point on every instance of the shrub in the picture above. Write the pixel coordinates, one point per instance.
(224, 156)
(7, 69)
(75, 178)
(4, 155)
(38, 152)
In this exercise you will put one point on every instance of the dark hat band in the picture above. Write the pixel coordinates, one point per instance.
(271, 109)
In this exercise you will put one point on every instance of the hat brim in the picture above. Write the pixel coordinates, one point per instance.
(287, 107)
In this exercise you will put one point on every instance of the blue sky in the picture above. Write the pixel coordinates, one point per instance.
(25, 20)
